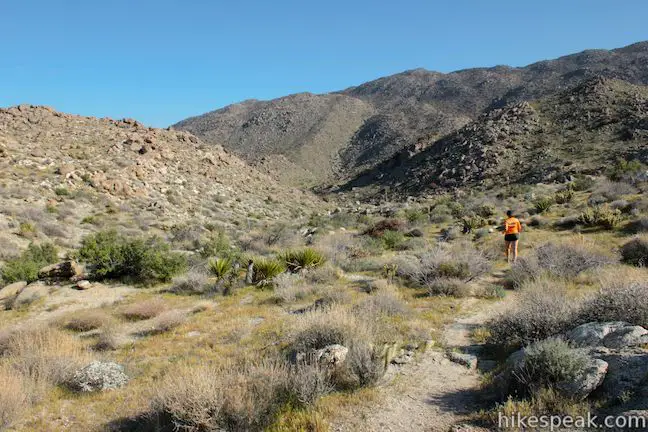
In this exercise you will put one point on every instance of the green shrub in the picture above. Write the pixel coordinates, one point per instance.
(624, 170)
(415, 216)
(472, 223)
(220, 267)
(550, 362)
(392, 240)
(302, 259)
(543, 204)
(217, 244)
(379, 228)
(619, 301)
(582, 183)
(114, 256)
(61, 191)
(601, 217)
(486, 210)
(564, 196)
(26, 266)
(265, 269)
(635, 252)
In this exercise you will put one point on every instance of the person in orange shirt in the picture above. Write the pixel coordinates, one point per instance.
(512, 230)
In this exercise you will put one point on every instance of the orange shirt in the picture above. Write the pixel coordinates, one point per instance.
(512, 226)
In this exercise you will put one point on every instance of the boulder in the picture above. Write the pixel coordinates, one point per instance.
(12, 290)
(626, 372)
(83, 285)
(587, 382)
(99, 376)
(591, 334)
(62, 270)
(468, 360)
(30, 294)
(626, 337)
(332, 355)
(415, 233)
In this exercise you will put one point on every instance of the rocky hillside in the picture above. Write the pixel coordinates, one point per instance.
(580, 130)
(61, 172)
(337, 135)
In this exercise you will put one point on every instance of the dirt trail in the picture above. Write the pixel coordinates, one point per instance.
(432, 394)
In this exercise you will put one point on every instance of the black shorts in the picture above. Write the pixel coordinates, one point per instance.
(512, 237)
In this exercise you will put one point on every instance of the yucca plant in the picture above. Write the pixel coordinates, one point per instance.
(302, 259)
(564, 196)
(265, 269)
(220, 267)
(543, 204)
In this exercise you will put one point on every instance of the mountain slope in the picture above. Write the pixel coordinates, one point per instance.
(341, 134)
(580, 130)
(56, 167)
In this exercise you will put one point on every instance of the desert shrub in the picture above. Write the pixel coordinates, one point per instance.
(87, 320)
(621, 205)
(537, 221)
(440, 214)
(486, 211)
(448, 286)
(364, 366)
(635, 252)
(307, 383)
(61, 191)
(617, 302)
(43, 356)
(612, 190)
(543, 204)
(108, 339)
(582, 183)
(557, 260)
(550, 362)
(323, 274)
(302, 259)
(462, 262)
(415, 216)
(195, 281)
(27, 230)
(601, 217)
(220, 267)
(449, 234)
(265, 269)
(471, 223)
(567, 222)
(13, 397)
(114, 256)
(541, 312)
(145, 309)
(384, 303)
(379, 228)
(186, 236)
(216, 244)
(392, 240)
(26, 266)
(564, 196)
(289, 287)
(626, 171)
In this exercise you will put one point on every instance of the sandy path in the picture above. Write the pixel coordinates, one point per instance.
(433, 394)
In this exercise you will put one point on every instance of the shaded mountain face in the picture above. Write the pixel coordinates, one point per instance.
(334, 136)
(81, 166)
(578, 131)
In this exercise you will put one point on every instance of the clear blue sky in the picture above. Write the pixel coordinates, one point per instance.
(163, 60)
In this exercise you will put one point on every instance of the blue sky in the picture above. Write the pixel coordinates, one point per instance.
(161, 61)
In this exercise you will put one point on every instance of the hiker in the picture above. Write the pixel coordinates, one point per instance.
(512, 229)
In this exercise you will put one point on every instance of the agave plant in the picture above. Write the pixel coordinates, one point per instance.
(265, 269)
(220, 267)
(302, 259)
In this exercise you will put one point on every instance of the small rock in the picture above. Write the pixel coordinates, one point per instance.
(83, 285)
(332, 355)
(62, 270)
(99, 376)
(404, 358)
(468, 360)
(193, 334)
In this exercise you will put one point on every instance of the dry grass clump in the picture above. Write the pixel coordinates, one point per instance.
(290, 287)
(453, 287)
(13, 397)
(543, 310)
(325, 274)
(245, 398)
(42, 356)
(195, 281)
(384, 303)
(167, 321)
(143, 310)
(86, 320)
(381, 227)
(559, 260)
(202, 306)
(109, 338)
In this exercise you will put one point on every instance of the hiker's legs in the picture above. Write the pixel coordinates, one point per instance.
(515, 250)
(507, 245)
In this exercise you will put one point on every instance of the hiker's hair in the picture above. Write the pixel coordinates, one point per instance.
(509, 213)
